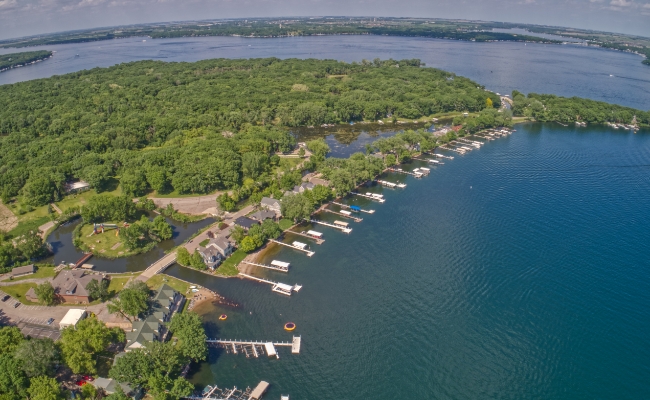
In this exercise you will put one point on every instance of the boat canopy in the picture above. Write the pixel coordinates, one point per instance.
(300, 245)
(315, 234)
(280, 264)
(341, 223)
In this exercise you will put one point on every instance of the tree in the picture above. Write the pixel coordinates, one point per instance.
(296, 207)
(134, 183)
(80, 345)
(248, 244)
(188, 327)
(118, 394)
(98, 289)
(196, 261)
(44, 388)
(45, 293)
(226, 202)
(30, 245)
(132, 301)
(12, 378)
(162, 228)
(88, 392)
(488, 103)
(38, 357)
(10, 339)
(183, 256)
(321, 194)
(390, 160)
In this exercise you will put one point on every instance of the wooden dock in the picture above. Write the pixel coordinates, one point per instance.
(349, 207)
(255, 348)
(278, 287)
(352, 217)
(391, 184)
(377, 199)
(273, 267)
(401, 171)
(216, 393)
(343, 229)
(308, 252)
(315, 239)
(440, 156)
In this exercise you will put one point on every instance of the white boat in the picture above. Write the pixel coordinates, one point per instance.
(195, 290)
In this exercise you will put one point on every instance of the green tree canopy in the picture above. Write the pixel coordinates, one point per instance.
(80, 345)
(38, 357)
(132, 301)
(45, 293)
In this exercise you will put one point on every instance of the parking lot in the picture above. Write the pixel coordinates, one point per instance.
(39, 332)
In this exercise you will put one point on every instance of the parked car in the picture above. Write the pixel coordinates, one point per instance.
(88, 378)
(16, 304)
(49, 321)
(5, 297)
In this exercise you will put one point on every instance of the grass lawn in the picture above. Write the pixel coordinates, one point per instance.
(229, 267)
(103, 244)
(285, 224)
(18, 291)
(204, 242)
(117, 283)
(41, 272)
(182, 287)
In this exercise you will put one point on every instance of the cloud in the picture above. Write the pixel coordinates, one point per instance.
(8, 5)
(622, 3)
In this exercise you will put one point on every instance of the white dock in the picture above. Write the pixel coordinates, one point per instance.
(350, 207)
(314, 238)
(441, 156)
(273, 267)
(341, 228)
(255, 348)
(352, 217)
(278, 287)
(472, 142)
(377, 199)
(308, 252)
(435, 162)
(391, 184)
(401, 171)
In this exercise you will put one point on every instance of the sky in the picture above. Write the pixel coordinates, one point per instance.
(29, 17)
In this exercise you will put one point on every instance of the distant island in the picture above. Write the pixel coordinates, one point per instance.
(478, 31)
(15, 60)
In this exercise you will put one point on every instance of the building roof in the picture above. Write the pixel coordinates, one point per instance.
(142, 333)
(269, 202)
(27, 269)
(219, 243)
(72, 317)
(70, 186)
(303, 186)
(262, 215)
(245, 222)
(110, 385)
(74, 282)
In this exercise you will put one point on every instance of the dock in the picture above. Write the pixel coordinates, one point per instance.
(273, 267)
(278, 287)
(391, 184)
(453, 149)
(350, 207)
(470, 142)
(352, 217)
(315, 239)
(299, 248)
(434, 162)
(255, 348)
(440, 156)
(369, 196)
(341, 228)
(216, 393)
(401, 171)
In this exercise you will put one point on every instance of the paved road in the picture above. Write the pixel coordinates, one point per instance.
(158, 266)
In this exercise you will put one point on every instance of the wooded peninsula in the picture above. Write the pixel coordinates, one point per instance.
(13, 60)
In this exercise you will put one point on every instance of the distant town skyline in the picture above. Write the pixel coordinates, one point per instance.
(30, 17)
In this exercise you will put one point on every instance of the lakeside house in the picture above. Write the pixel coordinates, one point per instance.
(263, 215)
(215, 251)
(110, 386)
(70, 287)
(271, 205)
(165, 302)
(303, 187)
(245, 222)
(22, 271)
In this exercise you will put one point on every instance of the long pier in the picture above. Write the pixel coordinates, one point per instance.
(440, 156)
(377, 199)
(401, 171)
(253, 348)
(278, 287)
(216, 393)
(453, 149)
(273, 267)
(470, 142)
(308, 252)
(315, 239)
(349, 207)
(352, 217)
(391, 184)
(341, 228)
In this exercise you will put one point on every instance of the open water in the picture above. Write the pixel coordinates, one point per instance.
(565, 70)
(517, 271)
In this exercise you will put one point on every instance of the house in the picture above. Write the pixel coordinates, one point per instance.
(70, 286)
(215, 251)
(71, 187)
(72, 318)
(271, 204)
(109, 386)
(263, 214)
(20, 271)
(303, 186)
(245, 222)
(319, 181)
(165, 302)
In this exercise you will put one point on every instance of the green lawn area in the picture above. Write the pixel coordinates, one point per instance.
(182, 287)
(204, 242)
(285, 224)
(117, 283)
(18, 291)
(41, 272)
(103, 244)
(229, 267)
(81, 199)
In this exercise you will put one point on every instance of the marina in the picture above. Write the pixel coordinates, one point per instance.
(275, 265)
(340, 227)
(278, 287)
(353, 208)
(345, 214)
(296, 245)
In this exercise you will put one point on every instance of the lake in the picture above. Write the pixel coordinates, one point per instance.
(565, 70)
(519, 270)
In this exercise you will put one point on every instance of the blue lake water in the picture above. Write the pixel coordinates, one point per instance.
(519, 270)
(566, 70)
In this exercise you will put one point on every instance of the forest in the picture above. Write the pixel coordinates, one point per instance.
(198, 127)
(12, 60)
